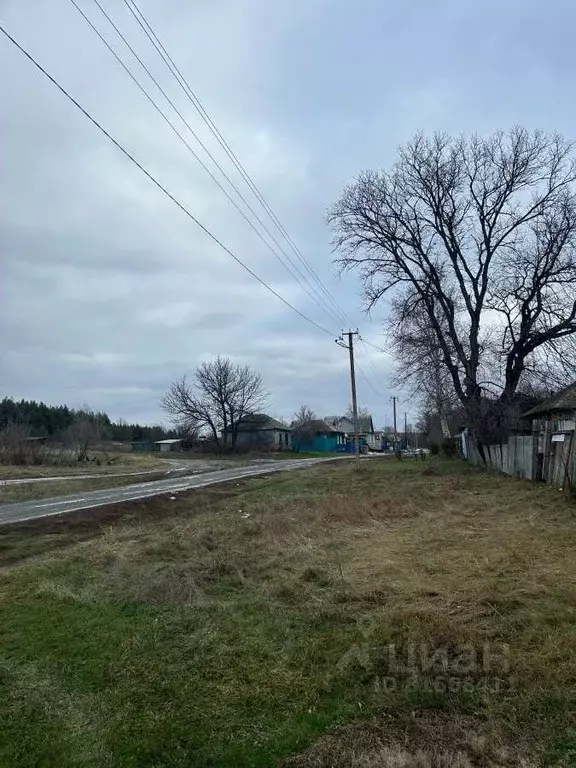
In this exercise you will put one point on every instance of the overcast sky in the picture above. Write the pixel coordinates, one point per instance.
(110, 292)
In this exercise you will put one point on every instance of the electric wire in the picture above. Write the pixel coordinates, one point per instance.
(299, 276)
(191, 95)
(155, 181)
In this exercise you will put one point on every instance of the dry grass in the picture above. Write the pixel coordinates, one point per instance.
(421, 740)
(451, 546)
(101, 462)
(309, 577)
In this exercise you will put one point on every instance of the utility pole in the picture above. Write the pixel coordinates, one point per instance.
(394, 398)
(405, 430)
(350, 348)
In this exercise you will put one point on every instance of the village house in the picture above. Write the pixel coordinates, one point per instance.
(260, 431)
(319, 435)
(366, 433)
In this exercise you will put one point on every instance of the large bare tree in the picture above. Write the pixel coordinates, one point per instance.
(477, 235)
(219, 396)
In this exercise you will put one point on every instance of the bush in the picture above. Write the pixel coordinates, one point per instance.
(17, 447)
(434, 449)
(450, 447)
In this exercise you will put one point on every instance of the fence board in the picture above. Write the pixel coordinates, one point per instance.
(514, 457)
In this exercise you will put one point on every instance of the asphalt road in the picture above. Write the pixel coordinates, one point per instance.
(31, 510)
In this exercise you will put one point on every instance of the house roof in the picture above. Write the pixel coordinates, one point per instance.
(257, 422)
(565, 400)
(365, 424)
(320, 426)
(165, 442)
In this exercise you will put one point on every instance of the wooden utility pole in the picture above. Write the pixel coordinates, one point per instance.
(405, 430)
(350, 348)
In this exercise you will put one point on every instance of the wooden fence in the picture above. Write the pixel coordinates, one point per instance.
(547, 457)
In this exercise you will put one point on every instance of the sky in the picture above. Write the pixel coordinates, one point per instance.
(109, 292)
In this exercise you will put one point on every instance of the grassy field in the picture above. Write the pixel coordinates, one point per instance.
(101, 463)
(401, 616)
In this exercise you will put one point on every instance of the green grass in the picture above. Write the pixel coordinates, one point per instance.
(237, 625)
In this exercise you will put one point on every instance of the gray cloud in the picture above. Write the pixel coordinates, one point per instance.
(109, 292)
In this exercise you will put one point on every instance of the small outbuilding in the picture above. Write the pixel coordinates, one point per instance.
(172, 444)
(554, 427)
(163, 446)
(142, 446)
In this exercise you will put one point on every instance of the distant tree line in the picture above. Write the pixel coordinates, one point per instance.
(53, 421)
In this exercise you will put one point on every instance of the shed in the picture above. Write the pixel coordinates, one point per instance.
(171, 444)
(554, 424)
(142, 446)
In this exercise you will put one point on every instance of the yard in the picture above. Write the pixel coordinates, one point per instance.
(406, 614)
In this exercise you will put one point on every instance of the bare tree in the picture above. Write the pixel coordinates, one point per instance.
(419, 368)
(303, 415)
(363, 413)
(81, 435)
(302, 425)
(221, 394)
(480, 233)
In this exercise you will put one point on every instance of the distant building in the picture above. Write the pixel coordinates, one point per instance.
(258, 430)
(142, 446)
(366, 433)
(163, 446)
(319, 435)
(172, 444)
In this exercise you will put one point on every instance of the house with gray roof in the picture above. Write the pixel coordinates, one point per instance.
(260, 431)
(366, 432)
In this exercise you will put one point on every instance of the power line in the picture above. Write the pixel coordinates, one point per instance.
(302, 280)
(155, 181)
(184, 84)
(367, 380)
(369, 343)
(188, 91)
(366, 377)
